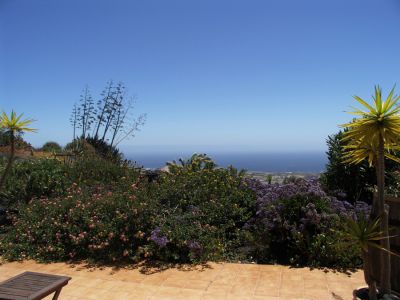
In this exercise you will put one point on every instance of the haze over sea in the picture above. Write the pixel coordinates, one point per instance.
(258, 161)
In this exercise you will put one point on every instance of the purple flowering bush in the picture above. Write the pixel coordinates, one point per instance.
(295, 223)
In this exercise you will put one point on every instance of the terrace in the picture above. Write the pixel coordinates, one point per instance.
(211, 281)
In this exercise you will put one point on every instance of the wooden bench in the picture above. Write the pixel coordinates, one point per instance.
(32, 286)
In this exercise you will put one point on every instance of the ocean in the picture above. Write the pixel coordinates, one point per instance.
(302, 162)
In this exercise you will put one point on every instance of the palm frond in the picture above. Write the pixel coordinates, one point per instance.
(364, 133)
(14, 123)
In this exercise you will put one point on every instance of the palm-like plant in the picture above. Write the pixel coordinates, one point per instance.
(373, 135)
(365, 234)
(13, 125)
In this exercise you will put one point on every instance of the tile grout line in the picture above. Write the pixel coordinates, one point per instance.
(257, 283)
(280, 282)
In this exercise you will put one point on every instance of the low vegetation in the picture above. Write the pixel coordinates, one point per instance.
(105, 211)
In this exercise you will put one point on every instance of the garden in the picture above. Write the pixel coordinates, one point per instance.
(98, 207)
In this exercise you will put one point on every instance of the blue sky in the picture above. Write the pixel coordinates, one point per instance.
(238, 75)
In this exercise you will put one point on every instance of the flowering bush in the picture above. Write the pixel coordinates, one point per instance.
(34, 177)
(95, 170)
(201, 214)
(295, 223)
(42, 177)
(109, 213)
(183, 217)
(98, 224)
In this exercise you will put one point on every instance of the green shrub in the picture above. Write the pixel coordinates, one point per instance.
(105, 212)
(20, 143)
(90, 147)
(328, 250)
(32, 178)
(94, 170)
(105, 150)
(353, 182)
(38, 177)
(51, 147)
(80, 148)
(201, 214)
(99, 225)
(182, 217)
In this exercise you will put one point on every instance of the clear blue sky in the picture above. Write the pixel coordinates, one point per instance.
(264, 75)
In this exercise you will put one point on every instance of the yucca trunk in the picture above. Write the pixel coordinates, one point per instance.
(368, 275)
(10, 161)
(380, 210)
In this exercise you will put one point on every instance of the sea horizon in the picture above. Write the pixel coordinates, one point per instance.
(253, 161)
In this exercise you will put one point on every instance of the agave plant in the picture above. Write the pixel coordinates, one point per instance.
(372, 135)
(366, 233)
(195, 163)
(13, 125)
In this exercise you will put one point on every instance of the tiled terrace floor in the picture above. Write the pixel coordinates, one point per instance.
(217, 281)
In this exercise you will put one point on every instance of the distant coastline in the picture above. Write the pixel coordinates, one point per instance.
(305, 163)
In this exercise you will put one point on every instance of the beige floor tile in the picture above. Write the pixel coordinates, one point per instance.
(166, 291)
(239, 297)
(238, 290)
(205, 275)
(175, 282)
(293, 292)
(265, 298)
(213, 281)
(270, 292)
(143, 291)
(213, 296)
(154, 280)
(115, 295)
(190, 294)
(218, 288)
(225, 279)
(197, 284)
(96, 294)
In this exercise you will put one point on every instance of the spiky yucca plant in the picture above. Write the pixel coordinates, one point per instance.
(13, 125)
(366, 233)
(372, 135)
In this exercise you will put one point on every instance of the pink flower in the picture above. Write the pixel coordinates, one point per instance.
(123, 238)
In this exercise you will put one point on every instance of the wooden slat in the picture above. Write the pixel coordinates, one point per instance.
(31, 286)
